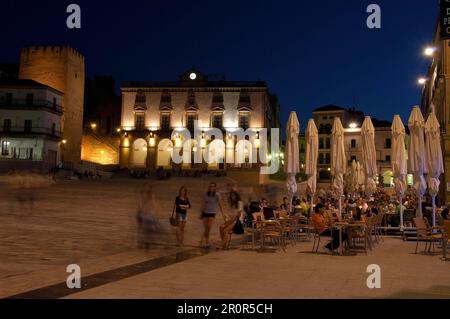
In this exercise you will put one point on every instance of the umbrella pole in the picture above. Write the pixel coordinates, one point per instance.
(311, 208)
(434, 210)
(340, 206)
(420, 206)
(401, 214)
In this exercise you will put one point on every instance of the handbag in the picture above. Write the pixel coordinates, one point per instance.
(173, 220)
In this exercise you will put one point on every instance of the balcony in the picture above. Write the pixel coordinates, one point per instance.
(16, 131)
(24, 104)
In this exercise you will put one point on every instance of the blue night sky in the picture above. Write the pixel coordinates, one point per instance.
(311, 53)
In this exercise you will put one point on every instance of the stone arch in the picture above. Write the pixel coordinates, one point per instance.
(139, 154)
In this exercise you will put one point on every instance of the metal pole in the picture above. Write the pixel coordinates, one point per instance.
(401, 214)
(420, 206)
(434, 210)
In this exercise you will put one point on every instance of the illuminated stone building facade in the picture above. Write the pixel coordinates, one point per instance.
(153, 111)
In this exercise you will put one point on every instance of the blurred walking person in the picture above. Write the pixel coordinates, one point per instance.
(210, 207)
(146, 216)
(182, 204)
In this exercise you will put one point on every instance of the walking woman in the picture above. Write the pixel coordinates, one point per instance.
(210, 206)
(182, 204)
(237, 209)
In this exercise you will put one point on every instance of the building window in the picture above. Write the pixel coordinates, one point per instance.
(190, 121)
(30, 98)
(53, 129)
(388, 143)
(321, 158)
(54, 102)
(6, 125)
(353, 144)
(217, 120)
(353, 158)
(327, 158)
(140, 98)
(140, 121)
(388, 158)
(5, 148)
(9, 97)
(165, 121)
(321, 145)
(28, 126)
(328, 144)
(244, 120)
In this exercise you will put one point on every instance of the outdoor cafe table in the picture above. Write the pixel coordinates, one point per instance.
(346, 225)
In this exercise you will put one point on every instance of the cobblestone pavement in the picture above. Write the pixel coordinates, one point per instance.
(92, 223)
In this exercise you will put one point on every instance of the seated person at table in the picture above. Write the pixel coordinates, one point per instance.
(445, 213)
(321, 224)
(285, 205)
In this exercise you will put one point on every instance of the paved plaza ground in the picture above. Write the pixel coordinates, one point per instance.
(92, 224)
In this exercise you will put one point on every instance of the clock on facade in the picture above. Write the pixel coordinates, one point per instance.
(192, 76)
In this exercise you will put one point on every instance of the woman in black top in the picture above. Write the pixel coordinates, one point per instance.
(182, 204)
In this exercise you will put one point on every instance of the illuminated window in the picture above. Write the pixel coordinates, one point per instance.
(140, 120)
(244, 120)
(190, 121)
(217, 120)
(165, 121)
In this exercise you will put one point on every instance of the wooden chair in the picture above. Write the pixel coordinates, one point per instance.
(426, 233)
(359, 234)
(273, 231)
(316, 236)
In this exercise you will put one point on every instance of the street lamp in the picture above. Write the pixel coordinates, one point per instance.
(257, 141)
(429, 51)
(422, 81)
(151, 140)
(203, 141)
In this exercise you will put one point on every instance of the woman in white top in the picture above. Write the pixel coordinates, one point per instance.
(237, 209)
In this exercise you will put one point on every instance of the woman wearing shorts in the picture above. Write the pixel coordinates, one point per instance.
(210, 206)
(182, 204)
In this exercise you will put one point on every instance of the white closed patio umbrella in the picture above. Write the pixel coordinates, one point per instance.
(435, 163)
(369, 155)
(339, 161)
(416, 153)
(354, 176)
(361, 176)
(398, 161)
(291, 156)
(312, 153)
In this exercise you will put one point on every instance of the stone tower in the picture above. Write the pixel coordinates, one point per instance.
(62, 68)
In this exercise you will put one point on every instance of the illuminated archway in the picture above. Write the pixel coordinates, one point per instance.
(139, 155)
(163, 158)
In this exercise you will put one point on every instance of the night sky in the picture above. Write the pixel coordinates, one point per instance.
(311, 53)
